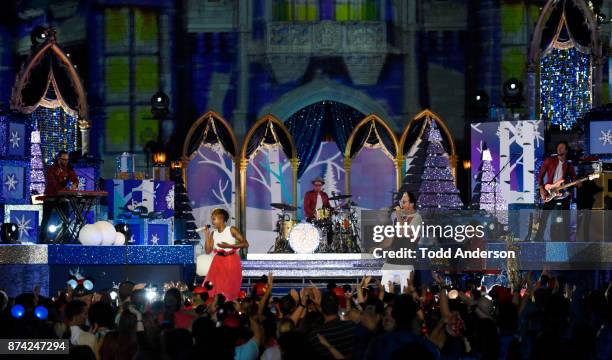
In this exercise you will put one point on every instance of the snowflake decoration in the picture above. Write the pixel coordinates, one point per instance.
(170, 199)
(11, 182)
(24, 226)
(155, 239)
(14, 140)
(606, 137)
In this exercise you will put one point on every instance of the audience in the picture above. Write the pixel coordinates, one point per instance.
(543, 319)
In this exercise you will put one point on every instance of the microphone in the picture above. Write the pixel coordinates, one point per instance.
(205, 227)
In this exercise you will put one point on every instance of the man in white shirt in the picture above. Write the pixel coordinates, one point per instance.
(75, 313)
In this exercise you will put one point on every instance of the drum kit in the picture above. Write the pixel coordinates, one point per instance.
(332, 230)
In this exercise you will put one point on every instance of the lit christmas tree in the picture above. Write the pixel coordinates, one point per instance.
(37, 183)
(437, 188)
(487, 195)
(330, 180)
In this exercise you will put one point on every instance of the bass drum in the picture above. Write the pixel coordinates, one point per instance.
(304, 238)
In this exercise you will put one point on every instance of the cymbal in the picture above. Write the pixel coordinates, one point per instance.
(340, 197)
(283, 207)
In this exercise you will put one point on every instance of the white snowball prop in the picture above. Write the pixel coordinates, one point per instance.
(109, 234)
(119, 239)
(90, 235)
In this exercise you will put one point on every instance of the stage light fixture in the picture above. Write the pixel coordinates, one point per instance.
(10, 233)
(480, 103)
(38, 35)
(52, 228)
(513, 93)
(160, 103)
(125, 230)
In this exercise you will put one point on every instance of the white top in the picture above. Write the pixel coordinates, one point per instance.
(558, 171)
(224, 236)
(319, 201)
(80, 337)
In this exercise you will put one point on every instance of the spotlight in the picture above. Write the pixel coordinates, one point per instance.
(513, 93)
(125, 230)
(41, 312)
(38, 35)
(17, 311)
(151, 294)
(480, 104)
(10, 233)
(52, 228)
(160, 103)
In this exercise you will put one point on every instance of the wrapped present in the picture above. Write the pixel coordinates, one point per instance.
(159, 232)
(27, 218)
(149, 232)
(126, 163)
(15, 182)
(15, 136)
(150, 196)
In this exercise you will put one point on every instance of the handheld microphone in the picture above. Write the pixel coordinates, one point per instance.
(205, 227)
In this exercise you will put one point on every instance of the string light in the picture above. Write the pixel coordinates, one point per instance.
(565, 86)
(58, 131)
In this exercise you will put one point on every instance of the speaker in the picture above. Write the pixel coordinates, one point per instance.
(592, 194)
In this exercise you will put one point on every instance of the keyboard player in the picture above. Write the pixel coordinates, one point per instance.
(59, 176)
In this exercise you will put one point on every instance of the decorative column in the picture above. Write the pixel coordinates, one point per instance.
(399, 166)
(347, 175)
(84, 128)
(295, 162)
(242, 166)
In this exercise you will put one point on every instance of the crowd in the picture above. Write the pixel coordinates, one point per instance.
(544, 318)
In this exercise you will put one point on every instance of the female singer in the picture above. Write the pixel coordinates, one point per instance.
(225, 272)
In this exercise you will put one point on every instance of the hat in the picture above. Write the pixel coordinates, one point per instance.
(318, 179)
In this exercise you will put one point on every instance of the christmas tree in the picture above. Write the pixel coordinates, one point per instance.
(437, 188)
(185, 225)
(487, 195)
(37, 183)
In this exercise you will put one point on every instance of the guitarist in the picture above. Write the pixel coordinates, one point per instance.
(556, 168)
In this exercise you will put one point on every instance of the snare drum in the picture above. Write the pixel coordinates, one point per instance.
(323, 214)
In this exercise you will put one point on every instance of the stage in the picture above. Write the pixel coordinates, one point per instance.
(48, 266)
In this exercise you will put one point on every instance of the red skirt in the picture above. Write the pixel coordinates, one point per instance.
(225, 273)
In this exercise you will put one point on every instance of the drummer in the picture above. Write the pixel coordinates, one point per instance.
(315, 199)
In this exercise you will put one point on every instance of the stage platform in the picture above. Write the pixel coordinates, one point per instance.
(48, 266)
(311, 265)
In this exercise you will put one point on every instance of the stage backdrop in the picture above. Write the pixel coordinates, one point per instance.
(210, 182)
(516, 149)
(268, 180)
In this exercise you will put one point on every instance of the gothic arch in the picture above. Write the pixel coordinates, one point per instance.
(321, 90)
(535, 53)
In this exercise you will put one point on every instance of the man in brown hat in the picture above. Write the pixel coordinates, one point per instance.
(315, 199)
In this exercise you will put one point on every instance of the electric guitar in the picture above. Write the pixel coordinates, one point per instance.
(556, 191)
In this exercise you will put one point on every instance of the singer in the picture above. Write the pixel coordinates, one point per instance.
(225, 272)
